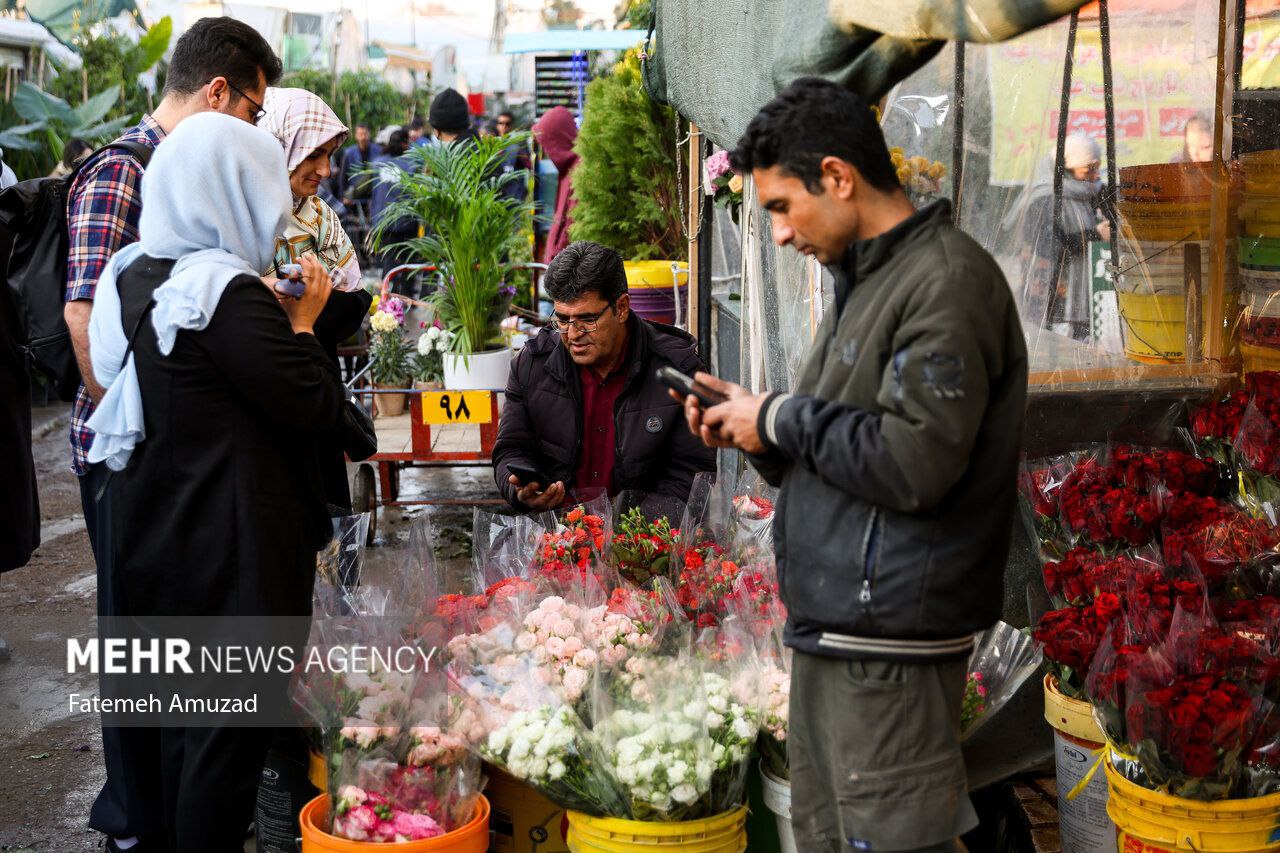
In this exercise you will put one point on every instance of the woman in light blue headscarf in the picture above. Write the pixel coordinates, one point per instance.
(210, 425)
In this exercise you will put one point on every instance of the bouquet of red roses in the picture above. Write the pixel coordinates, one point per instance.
(1214, 426)
(1148, 470)
(1216, 538)
(1038, 486)
(1070, 637)
(1083, 573)
(1098, 508)
(707, 576)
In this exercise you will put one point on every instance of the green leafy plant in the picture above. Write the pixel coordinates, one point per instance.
(473, 230)
(110, 59)
(51, 121)
(389, 351)
(359, 97)
(629, 155)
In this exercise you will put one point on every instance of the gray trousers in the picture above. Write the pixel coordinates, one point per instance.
(874, 754)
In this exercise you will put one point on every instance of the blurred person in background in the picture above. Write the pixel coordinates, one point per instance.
(556, 132)
(390, 165)
(1054, 256)
(1197, 141)
(451, 117)
(72, 152)
(355, 160)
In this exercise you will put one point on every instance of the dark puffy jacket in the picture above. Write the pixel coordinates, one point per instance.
(897, 454)
(541, 422)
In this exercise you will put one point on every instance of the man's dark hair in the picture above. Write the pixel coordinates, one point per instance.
(417, 124)
(509, 115)
(397, 143)
(221, 47)
(365, 125)
(74, 150)
(585, 267)
(807, 121)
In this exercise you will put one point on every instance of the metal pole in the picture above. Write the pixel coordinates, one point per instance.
(1059, 158)
(1109, 107)
(957, 142)
(706, 234)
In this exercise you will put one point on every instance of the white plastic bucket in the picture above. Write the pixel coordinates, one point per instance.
(479, 371)
(777, 798)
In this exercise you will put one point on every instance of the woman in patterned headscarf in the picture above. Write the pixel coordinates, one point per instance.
(310, 133)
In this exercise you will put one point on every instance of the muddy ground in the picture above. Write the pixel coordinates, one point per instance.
(51, 763)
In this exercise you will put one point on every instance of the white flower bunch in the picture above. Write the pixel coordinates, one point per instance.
(381, 702)
(666, 759)
(434, 340)
(382, 321)
(538, 746)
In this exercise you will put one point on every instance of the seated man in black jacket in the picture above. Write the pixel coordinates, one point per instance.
(583, 408)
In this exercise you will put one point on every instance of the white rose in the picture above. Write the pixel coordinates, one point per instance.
(685, 794)
(743, 729)
(556, 770)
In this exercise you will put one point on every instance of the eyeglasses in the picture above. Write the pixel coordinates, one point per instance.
(583, 322)
(259, 111)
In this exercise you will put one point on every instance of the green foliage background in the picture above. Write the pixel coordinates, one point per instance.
(362, 96)
(627, 185)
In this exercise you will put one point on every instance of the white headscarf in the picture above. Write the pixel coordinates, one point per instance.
(301, 121)
(214, 197)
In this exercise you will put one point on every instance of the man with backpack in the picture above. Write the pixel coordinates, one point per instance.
(220, 65)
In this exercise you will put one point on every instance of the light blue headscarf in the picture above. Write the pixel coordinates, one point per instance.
(215, 196)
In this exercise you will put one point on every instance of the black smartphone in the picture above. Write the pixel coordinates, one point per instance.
(685, 385)
(528, 474)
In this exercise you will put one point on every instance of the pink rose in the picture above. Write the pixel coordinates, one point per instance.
(574, 681)
(715, 166)
(554, 647)
(552, 604)
(414, 827)
(572, 645)
(564, 628)
(584, 658)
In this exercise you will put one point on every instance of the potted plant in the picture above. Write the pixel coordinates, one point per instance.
(628, 151)
(472, 229)
(428, 364)
(389, 355)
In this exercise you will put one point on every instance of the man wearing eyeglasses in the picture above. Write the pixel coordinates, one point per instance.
(583, 409)
(219, 65)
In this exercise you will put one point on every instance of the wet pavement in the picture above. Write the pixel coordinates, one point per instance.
(50, 763)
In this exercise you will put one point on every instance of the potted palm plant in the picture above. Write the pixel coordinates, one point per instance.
(471, 230)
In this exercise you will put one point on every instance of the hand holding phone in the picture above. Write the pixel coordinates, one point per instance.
(684, 385)
(290, 282)
(529, 474)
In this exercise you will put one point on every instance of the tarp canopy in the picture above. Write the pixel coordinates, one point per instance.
(65, 18)
(718, 63)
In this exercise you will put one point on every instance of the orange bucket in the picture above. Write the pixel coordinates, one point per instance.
(471, 838)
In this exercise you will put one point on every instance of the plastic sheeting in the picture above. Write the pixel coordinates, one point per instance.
(717, 63)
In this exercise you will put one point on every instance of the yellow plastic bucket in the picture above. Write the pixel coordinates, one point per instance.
(1258, 359)
(724, 833)
(1070, 716)
(1151, 822)
(653, 274)
(317, 772)
(1154, 326)
(521, 820)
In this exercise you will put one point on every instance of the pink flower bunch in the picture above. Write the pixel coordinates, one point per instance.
(615, 636)
(394, 306)
(432, 745)
(715, 166)
(552, 634)
(366, 816)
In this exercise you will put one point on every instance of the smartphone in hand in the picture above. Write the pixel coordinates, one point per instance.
(290, 282)
(528, 474)
(685, 386)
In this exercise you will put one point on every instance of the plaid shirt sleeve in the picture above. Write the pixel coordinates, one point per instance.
(102, 217)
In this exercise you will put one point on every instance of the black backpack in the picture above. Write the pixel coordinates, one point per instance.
(35, 214)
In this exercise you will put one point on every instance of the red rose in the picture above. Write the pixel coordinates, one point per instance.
(1199, 760)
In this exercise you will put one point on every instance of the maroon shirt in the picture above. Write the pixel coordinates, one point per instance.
(595, 465)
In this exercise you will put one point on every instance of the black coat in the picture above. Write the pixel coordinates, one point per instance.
(340, 319)
(19, 501)
(541, 423)
(220, 509)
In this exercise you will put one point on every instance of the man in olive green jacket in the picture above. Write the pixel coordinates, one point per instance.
(896, 456)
